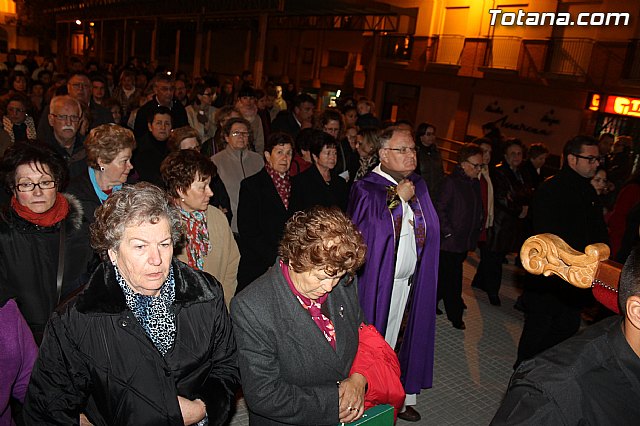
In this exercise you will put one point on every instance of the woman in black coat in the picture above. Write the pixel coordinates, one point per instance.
(149, 341)
(263, 209)
(511, 204)
(320, 185)
(40, 221)
(460, 212)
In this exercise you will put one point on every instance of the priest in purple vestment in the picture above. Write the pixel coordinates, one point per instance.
(392, 208)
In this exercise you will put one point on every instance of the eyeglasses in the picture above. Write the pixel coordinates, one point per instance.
(475, 166)
(591, 159)
(65, 117)
(239, 133)
(80, 86)
(404, 150)
(28, 187)
(14, 110)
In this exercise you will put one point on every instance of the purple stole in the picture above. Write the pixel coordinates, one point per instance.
(394, 203)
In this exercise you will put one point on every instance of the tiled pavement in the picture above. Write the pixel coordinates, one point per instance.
(472, 367)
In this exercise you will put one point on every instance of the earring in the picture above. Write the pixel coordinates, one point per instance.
(182, 199)
(101, 169)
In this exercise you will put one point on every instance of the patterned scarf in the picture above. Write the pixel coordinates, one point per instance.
(282, 184)
(198, 244)
(153, 313)
(31, 128)
(314, 307)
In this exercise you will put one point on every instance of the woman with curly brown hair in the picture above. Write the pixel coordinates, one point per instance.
(297, 326)
(210, 245)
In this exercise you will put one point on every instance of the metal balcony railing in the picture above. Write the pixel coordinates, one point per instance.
(503, 52)
(449, 49)
(569, 56)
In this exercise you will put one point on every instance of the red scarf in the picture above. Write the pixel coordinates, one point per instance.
(282, 184)
(55, 214)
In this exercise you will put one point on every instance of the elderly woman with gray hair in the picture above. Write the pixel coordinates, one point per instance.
(149, 340)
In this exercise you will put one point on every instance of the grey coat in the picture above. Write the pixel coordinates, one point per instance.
(288, 369)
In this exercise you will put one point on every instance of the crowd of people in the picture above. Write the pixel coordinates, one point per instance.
(164, 241)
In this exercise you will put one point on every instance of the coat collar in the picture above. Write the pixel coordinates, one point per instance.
(103, 294)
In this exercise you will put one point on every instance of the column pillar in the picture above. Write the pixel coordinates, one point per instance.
(258, 67)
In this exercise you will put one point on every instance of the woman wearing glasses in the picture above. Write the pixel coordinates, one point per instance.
(236, 161)
(201, 114)
(44, 245)
(459, 209)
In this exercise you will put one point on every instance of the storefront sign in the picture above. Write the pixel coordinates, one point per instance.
(531, 122)
(623, 105)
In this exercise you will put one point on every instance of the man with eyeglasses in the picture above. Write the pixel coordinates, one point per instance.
(64, 119)
(392, 208)
(79, 88)
(164, 90)
(565, 205)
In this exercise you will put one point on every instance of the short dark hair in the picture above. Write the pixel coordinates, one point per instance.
(422, 129)
(159, 110)
(328, 115)
(277, 138)
(629, 280)
(303, 139)
(509, 142)
(537, 149)
(161, 77)
(17, 97)
(226, 130)
(575, 144)
(301, 99)
(319, 140)
(98, 77)
(468, 150)
(22, 153)
(180, 168)
(482, 141)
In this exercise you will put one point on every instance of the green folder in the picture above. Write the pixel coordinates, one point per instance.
(380, 415)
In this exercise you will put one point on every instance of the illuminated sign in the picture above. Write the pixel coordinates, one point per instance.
(622, 105)
(594, 102)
